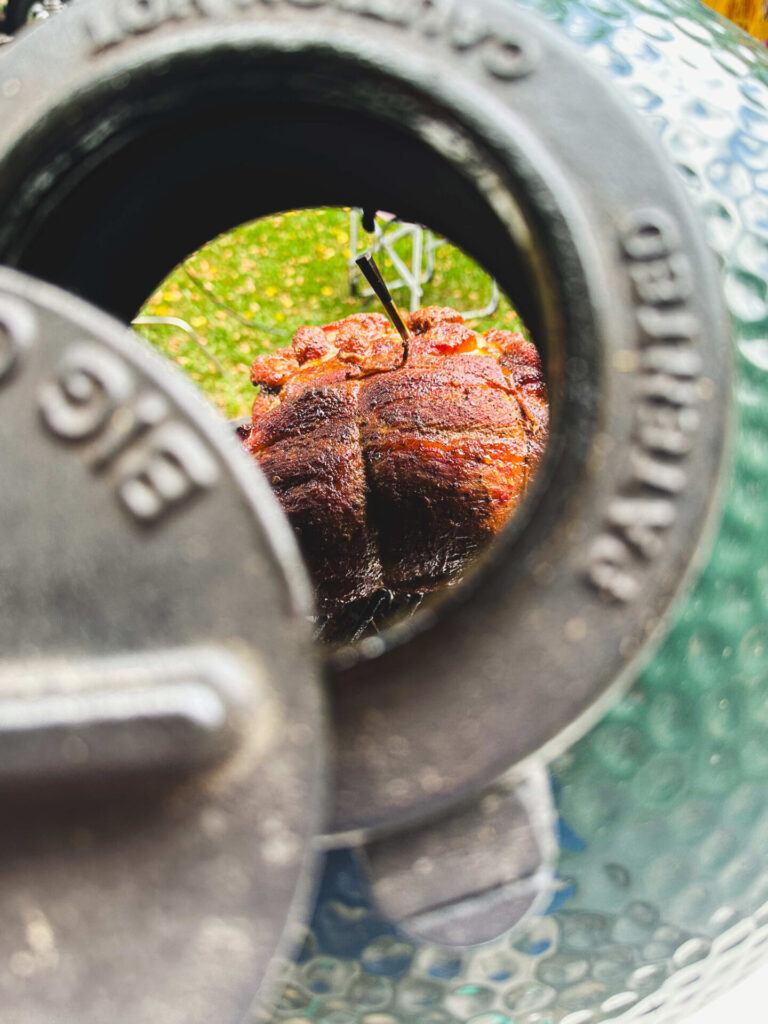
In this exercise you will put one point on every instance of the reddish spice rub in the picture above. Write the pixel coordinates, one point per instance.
(394, 475)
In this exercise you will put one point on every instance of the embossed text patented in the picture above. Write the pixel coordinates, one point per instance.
(666, 418)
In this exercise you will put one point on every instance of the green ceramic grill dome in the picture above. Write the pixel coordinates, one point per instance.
(662, 872)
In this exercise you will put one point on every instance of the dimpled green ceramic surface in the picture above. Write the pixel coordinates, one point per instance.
(663, 870)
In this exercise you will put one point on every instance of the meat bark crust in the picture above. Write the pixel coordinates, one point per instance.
(394, 473)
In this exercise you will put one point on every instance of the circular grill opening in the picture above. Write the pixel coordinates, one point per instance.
(395, 462)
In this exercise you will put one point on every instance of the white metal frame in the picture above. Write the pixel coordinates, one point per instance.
(188, 329)
(388, 231)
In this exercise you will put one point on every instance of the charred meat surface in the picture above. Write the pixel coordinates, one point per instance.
(394, 473)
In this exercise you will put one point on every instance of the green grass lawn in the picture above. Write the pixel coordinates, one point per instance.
(275, 275)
